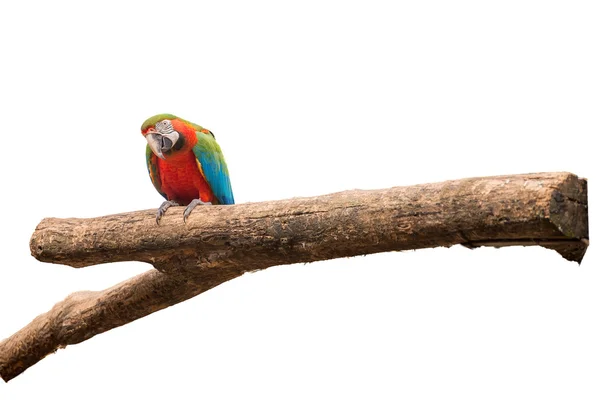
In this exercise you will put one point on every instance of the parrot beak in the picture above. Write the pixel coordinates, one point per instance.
(155, 141)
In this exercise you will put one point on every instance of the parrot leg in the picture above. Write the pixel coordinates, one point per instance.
(163, 209)
(193, 205)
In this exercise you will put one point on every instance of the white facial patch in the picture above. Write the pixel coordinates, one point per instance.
(164, 127)
(163, 137)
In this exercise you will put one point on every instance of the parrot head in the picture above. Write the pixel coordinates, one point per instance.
(162, 136)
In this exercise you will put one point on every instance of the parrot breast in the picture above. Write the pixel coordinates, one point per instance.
(182, 181)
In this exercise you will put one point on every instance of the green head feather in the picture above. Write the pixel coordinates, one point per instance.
(159, 117)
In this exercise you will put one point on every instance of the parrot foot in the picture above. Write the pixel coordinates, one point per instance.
(193, 205)
(163, 209)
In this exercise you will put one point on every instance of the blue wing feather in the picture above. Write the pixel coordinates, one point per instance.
(213, 167)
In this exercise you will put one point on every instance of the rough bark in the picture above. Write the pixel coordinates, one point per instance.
(219, 243)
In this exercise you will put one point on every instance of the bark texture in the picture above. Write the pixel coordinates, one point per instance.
(219, 243)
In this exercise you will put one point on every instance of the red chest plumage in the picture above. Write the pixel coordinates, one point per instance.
(182, 181)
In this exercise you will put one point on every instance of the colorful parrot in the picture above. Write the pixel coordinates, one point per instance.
(185, 163)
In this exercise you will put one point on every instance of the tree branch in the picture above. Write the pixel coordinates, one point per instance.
(219, 243)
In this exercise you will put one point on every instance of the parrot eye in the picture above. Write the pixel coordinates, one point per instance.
(164, 126)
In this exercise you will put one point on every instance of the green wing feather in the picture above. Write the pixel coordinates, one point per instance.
(152, 164)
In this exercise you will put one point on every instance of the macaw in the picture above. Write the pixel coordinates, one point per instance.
(185, 163)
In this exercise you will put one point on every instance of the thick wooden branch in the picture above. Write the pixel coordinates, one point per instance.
(219, 243)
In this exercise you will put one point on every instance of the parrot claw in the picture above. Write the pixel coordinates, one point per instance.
(163, 209)
(193, 205)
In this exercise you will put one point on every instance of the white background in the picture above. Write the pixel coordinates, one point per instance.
(307, 99)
